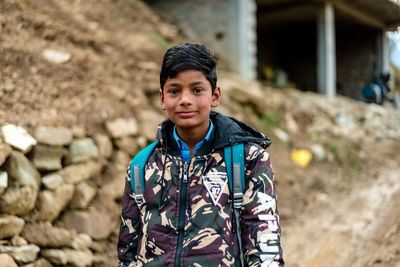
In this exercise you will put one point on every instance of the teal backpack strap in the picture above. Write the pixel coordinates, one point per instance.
(137, 171)
(236, 173)
(238, 167)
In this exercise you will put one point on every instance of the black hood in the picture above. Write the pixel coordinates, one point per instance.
(230, 131)
(227, 131)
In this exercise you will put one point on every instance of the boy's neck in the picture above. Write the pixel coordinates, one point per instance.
(192, 136)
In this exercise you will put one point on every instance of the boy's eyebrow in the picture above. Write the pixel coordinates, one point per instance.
(199, 82)
(193, 83)
(172, 84)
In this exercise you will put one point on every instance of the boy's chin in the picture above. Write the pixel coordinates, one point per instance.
(186, 124)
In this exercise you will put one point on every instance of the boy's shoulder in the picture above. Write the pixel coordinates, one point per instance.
(256, 153)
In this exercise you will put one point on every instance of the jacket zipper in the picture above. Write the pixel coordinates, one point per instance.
(182, 215)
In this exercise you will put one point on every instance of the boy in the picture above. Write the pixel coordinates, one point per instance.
(186, 217)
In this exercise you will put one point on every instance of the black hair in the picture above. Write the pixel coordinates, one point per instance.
(188, 57)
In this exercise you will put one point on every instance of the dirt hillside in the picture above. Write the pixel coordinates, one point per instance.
(115, 49)
(340, 210)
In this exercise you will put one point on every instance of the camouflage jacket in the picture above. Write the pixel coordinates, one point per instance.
(183, 221)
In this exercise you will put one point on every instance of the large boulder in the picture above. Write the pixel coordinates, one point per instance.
(53, 136)
(51, 203)
(71, 257)
(78, 172)
(47, 158)
(122, 127)
(83, 194)
(20, 197)
(99, 221)
(18, 138)
(22, 254)
(18, 200)
(21, 170)
(82, 150)
(10, 226)
(44, 234)
(7, 261)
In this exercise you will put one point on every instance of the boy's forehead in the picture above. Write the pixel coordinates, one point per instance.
(190, 72)
(192, 76)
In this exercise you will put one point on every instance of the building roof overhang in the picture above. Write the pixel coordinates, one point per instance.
(383, 14)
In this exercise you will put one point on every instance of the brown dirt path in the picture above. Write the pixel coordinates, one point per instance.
(356, 228)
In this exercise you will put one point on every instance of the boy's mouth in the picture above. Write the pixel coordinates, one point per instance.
(186, 114)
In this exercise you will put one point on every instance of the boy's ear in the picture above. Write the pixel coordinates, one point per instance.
(162, 100)
(216, 96)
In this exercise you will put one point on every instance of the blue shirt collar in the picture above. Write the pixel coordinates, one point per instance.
(184, 148)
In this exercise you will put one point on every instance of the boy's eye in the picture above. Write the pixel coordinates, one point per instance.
(173, 91)
(197, 90)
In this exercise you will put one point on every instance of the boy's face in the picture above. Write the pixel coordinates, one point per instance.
(188, 99)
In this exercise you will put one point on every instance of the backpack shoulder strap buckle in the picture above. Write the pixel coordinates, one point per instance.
(237, 200)
(139, 200)
(137, 172)
(138, 189)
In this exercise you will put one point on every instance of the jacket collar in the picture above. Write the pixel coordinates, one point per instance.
(227, 131)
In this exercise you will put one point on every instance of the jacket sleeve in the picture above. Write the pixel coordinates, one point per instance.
(130, 228)
(260, 229)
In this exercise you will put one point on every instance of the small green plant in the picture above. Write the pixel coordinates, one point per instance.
(271, 119)
(344, 154)
(332, 146)
(351, 159)
(319, 133)
(161, 40)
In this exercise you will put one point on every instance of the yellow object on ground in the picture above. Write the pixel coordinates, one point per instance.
(301, 157)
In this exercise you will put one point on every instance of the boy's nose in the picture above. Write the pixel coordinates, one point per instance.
(185, 97)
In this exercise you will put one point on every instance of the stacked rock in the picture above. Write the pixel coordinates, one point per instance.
(59, 192)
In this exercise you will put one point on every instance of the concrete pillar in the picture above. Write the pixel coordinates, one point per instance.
(382, 53)
(242, 35)
(326, 64)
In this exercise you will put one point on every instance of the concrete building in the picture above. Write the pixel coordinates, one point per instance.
(327, 46)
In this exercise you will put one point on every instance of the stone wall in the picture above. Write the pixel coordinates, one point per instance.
(60, 191)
